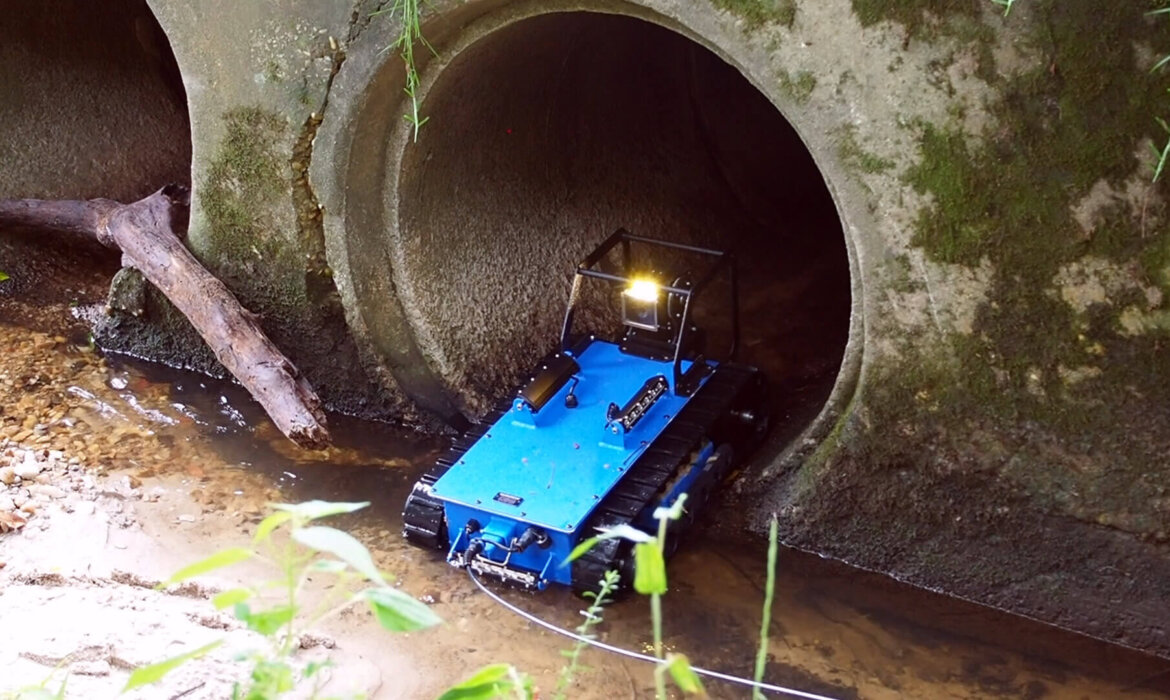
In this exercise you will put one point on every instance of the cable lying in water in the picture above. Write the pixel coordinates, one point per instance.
(635, 655)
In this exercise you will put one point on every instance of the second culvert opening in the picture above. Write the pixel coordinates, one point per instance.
(547, 135)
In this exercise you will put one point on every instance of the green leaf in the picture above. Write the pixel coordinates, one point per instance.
(623, 531)
(155, 672)
(649, 569)
(312, 510)
(674, 512)
(3, 276)
(684, 676)
(626, 532)
(489, 682)
(267, 622)
(581, 549)
(342, 545)
(222, 558)
(398, 612)
(267, 525)
(328, 566)
(231, 597)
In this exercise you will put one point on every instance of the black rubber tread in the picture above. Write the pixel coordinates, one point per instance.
(423, 522)
(659, 463)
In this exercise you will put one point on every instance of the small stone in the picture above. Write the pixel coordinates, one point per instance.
(30, 508)
(30, 467)
(91, 668)
(7, 475)
(46, 491)
(186, 518)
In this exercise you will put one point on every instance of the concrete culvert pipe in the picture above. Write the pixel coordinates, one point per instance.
(92, 104)
(545, 133)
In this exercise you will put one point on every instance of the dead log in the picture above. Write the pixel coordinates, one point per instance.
(144, 232)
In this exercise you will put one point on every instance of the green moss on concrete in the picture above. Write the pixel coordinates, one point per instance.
(1003, 402)
(918, 16)
(856, 158)
(757, 13)
(798, 87)
(246, 176)
(247, 181)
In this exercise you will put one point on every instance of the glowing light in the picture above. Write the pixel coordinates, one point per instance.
(643, 290)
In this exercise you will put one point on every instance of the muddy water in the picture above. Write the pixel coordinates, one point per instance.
(836, 631)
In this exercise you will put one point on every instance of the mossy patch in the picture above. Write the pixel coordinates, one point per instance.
(856, 158)
(757, 13)
(918, 16)
(1007, 196)
(246, 175)
(799, 87)
(247, 181)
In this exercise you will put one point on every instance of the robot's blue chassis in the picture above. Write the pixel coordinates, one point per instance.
(514, 497)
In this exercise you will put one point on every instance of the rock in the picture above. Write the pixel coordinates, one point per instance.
(7, 475)
(91, 668)
(29, 467)
(46, 491)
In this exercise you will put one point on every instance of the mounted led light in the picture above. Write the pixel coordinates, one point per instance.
(643, 290)
(640, 302)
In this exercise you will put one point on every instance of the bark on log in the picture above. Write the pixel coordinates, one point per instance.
(144, 232)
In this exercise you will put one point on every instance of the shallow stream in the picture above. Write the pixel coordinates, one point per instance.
(836, 631)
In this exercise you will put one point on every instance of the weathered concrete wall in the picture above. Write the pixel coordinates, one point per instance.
(994, 421)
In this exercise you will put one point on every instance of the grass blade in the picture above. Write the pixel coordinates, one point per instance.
(155, 672)
(222, 558)
(766, 617)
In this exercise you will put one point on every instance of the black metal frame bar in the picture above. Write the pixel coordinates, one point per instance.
(723, 260)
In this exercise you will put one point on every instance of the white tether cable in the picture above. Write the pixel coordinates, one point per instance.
(635, 655)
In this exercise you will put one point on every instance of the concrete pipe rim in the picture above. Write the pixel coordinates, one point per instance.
(430, 384)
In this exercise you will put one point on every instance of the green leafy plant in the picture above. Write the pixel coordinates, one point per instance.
(592, 614)
(41, 691)
(3, 277)
(491, 682)
(408, 14)
(308, 550)
(650, 580)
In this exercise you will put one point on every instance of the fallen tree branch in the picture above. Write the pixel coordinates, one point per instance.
(144, 232)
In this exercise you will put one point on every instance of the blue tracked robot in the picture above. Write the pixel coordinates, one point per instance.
(603, 433)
